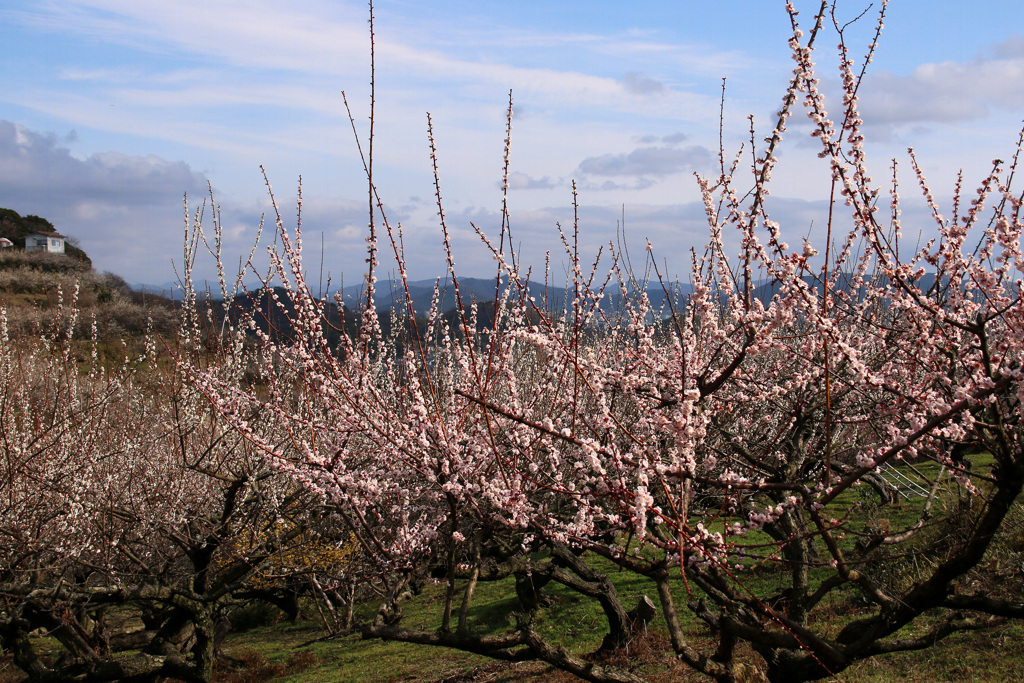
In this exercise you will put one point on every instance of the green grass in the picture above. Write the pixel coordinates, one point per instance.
(990, 656)
(345, 660)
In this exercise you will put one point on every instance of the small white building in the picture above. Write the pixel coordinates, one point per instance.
(45, 241)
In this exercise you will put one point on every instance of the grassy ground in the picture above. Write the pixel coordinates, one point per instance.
(281, 654)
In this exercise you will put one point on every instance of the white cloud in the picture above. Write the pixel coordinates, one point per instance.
(649, 161)
(522, 181)
(1010, 48)
(314, 39)
(127, 210)
(946, 92)
(639, 84)
(36, 168)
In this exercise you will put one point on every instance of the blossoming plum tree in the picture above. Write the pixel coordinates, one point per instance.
(124, 495)
(698, 449)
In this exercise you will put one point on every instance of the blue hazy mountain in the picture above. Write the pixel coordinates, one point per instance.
(482, 290)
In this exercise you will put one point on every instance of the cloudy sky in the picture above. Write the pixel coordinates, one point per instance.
(111, 111)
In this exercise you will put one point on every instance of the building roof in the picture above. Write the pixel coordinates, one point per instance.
(48, 234)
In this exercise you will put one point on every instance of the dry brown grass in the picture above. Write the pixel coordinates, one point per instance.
(35, 287)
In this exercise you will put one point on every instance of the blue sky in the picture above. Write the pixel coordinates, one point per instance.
(112, 110)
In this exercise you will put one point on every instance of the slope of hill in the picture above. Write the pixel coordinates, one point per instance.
(32, 285)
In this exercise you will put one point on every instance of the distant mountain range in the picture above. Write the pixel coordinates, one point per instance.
(390, 295)
(482, 290)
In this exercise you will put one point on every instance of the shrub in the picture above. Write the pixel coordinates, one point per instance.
(256, 614)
